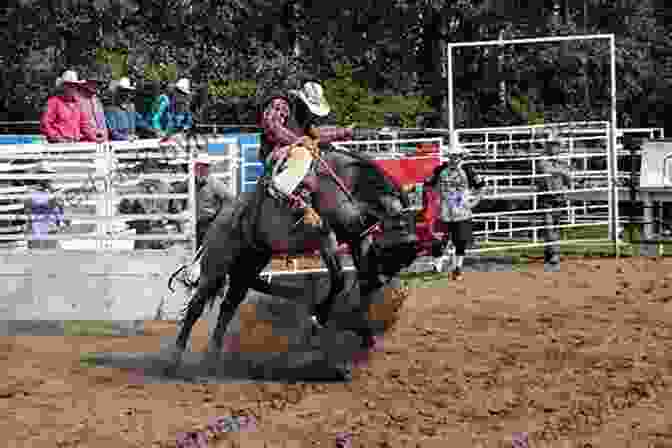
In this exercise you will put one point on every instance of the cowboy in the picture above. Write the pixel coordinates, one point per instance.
(459, 191)
(93, 107)
(211, 194)
(120, 115)
(63, 120)
(45, 211)
(289, 133)
(557, 179)
(178, 117)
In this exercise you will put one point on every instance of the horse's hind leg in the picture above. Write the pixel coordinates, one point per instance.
(329, 253)
(234, 297)
(205, 291)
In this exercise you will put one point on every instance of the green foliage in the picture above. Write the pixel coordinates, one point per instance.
(391, 49)
(228, 89)
(161, 72)
(521, 106)
(115, 58)
(352, 102)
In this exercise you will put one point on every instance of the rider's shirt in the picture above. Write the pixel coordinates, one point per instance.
(456, 197)
(280, 133)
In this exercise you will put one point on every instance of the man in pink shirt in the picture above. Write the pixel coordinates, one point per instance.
(63, 120)
(93, 107)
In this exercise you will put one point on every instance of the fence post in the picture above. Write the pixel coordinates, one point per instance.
(192, 197)
(102, 172)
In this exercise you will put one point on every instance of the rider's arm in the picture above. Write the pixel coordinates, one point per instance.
(330, 134)
(274, 121)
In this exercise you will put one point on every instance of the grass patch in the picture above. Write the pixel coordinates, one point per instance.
(88, 360)
(89, 328)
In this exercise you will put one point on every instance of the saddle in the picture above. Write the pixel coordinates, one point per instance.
(287, 180)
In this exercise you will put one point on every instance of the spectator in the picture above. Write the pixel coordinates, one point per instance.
(178, 117)
(63, 120)
(460, 191)
(92, 106)
(211, 195)
(151, 106)
(45, 211)
(558, 179)
(120, 115)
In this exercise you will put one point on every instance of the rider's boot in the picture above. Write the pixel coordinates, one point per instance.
(311, 217)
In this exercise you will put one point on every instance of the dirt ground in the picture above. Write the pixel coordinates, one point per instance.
(576, 358)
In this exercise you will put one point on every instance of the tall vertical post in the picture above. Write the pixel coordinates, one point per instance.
(192, 197)
(613, 224)
(451, 94)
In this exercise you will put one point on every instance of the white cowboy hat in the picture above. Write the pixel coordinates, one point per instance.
(70, 77)
(203, 159)
(183, 86)
(313, 96)
(123, 83)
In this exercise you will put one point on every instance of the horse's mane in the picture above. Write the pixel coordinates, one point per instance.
(374, 183)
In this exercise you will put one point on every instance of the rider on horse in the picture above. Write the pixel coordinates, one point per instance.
(289, 135)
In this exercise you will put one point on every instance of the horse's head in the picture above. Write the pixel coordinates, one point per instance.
(383, 209)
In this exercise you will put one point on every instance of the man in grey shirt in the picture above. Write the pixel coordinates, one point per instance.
(557, 179)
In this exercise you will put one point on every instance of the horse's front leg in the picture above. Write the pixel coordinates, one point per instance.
(329, 253)
(194, 311)
(227, 310)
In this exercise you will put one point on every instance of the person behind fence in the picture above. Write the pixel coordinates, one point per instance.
(557, 179)
(120, 114)
(63, 120)
(151, 105)
(211, 195)
(459, 191)
(178, 117)
(92, 106)
(45, 211)
(289, 134)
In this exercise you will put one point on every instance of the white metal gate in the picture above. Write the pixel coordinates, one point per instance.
(510, 214)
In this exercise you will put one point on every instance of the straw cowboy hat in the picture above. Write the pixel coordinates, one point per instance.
(69, 77)
(313, 96)
(121, 84)
(183, 85)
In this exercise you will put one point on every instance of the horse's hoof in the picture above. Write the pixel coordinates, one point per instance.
(173, 359)
(212, 359)
(344, 371)
(171, 370)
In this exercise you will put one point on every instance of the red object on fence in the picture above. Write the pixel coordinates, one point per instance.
(424, 149)
(411, 171)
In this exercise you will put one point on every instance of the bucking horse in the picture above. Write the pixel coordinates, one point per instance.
(359, 205)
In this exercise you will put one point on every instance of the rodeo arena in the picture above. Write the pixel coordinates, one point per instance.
(518, 350)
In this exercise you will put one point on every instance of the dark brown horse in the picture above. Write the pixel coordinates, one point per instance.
(242, 239)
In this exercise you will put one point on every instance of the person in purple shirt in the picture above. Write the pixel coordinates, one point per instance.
(45, 210)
